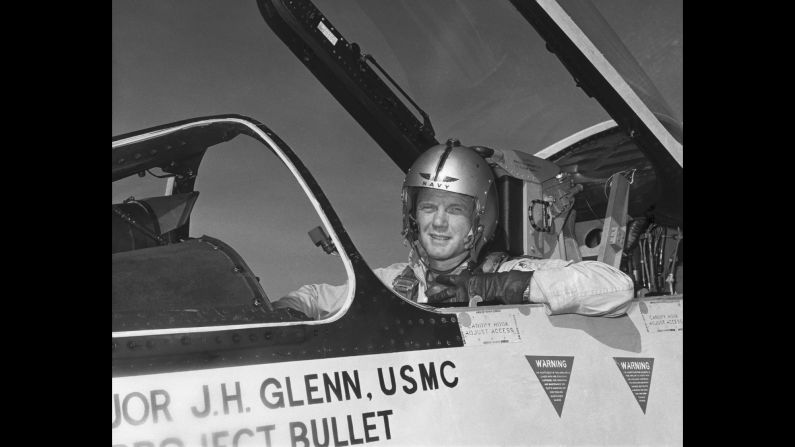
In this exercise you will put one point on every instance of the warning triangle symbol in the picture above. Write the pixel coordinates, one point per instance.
(637, 373)
(553, 372)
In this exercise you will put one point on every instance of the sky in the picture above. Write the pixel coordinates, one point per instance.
(477, 68)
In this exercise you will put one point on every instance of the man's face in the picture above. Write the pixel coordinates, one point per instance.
(444, 220)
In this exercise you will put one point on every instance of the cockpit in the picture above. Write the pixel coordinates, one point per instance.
(599, 194)
(178, 260)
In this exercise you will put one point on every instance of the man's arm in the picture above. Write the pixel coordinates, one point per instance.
(587, 287)
(318, 301)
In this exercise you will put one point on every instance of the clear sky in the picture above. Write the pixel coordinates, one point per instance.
(482, 75)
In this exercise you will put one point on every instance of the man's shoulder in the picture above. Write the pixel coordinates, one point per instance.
(389, 272)
(395, 266)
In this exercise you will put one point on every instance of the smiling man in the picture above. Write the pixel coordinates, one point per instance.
(450, 212)
(445, 221)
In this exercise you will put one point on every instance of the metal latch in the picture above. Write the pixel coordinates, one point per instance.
(321, 239)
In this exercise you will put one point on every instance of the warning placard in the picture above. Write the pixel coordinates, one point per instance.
(662, 315)
(637, 373)
(489, 326)
(553, 372)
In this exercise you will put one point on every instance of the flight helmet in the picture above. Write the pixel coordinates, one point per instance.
(454, 168)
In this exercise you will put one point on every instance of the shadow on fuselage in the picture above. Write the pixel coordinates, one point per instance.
(618, 333)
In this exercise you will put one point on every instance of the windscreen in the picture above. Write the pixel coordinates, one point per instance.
(248, 231)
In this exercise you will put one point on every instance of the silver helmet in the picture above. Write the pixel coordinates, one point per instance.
(454, 168)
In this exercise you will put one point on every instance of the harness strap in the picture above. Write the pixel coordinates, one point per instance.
(406, 284)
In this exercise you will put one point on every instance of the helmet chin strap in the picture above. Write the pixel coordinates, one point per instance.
(422, 256)
(472, 237)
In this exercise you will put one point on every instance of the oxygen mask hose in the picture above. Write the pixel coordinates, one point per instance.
(663, 234)
(649, 259)
(643, 268)
(636, 228)
(672, 262)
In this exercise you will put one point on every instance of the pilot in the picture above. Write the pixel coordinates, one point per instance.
(450, 212)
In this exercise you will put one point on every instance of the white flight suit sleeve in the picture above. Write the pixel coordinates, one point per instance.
(319, 301)
(316, 301)
(587, 287)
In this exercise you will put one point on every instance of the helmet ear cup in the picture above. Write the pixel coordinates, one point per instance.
(473, 237)
(490, 214)
(410, 231)
(487, 222)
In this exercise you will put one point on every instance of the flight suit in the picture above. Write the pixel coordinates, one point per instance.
(587, 287)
